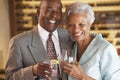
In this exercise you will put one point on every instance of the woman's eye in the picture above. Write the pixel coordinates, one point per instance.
(81, 25)
(70, 25)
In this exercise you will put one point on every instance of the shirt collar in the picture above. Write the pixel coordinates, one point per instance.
(43, 33)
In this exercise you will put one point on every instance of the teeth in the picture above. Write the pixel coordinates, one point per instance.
(78, 34)
(52, 21)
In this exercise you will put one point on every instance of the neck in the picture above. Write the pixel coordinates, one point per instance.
(85, 42)
(82, 46)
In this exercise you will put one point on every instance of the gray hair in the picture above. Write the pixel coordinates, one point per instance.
(80, 7)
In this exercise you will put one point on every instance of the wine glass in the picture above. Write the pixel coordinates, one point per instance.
(66, 55)
(54, 65)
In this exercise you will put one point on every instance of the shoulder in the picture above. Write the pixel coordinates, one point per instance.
(104, 46)
(62, 30)
(24, 37)
(64, 37)
(100, 41)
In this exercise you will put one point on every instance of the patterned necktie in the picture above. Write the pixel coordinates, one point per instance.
(51, 48)
(52, 53)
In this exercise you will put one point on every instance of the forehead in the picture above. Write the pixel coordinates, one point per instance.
(51, 3)
(77, 17)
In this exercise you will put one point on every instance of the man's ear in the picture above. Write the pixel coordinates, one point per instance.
(38, 12)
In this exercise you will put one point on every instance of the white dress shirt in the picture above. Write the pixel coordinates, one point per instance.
(44, 36)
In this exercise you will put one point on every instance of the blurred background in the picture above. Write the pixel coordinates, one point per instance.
(17, 16)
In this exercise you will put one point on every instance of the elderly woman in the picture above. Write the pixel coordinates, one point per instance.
(95, 58)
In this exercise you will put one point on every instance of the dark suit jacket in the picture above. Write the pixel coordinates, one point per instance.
(26, 49)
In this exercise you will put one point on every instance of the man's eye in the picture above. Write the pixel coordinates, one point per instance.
(53, 11)
(58, 11)
(49, 10)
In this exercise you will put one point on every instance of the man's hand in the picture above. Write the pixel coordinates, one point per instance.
(42, 70)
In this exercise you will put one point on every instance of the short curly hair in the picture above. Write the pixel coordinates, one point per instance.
(80, 7)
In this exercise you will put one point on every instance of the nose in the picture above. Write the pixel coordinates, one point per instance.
(54, 14)
(76, 28)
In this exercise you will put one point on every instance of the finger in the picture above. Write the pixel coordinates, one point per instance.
(75, 63)
(44, 66)
(44, 74)
(62, 64)
(68, 67)
(44, 69)
(47, 77)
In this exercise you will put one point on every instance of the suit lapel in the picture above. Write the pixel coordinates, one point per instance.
(65, 41)
(61, 39)
(36, 48)
(63, 46)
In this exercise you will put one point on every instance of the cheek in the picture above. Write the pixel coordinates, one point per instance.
(87, 30)
(59, 16)
(70, 31)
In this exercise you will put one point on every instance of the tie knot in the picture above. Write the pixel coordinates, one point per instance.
(50, 35)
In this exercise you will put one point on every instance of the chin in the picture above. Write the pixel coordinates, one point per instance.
(77, 38)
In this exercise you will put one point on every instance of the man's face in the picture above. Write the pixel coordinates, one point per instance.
(50, 14)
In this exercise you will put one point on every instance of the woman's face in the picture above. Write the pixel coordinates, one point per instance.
(78, 26)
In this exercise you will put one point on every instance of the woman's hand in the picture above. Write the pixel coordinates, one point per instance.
(74, 70)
